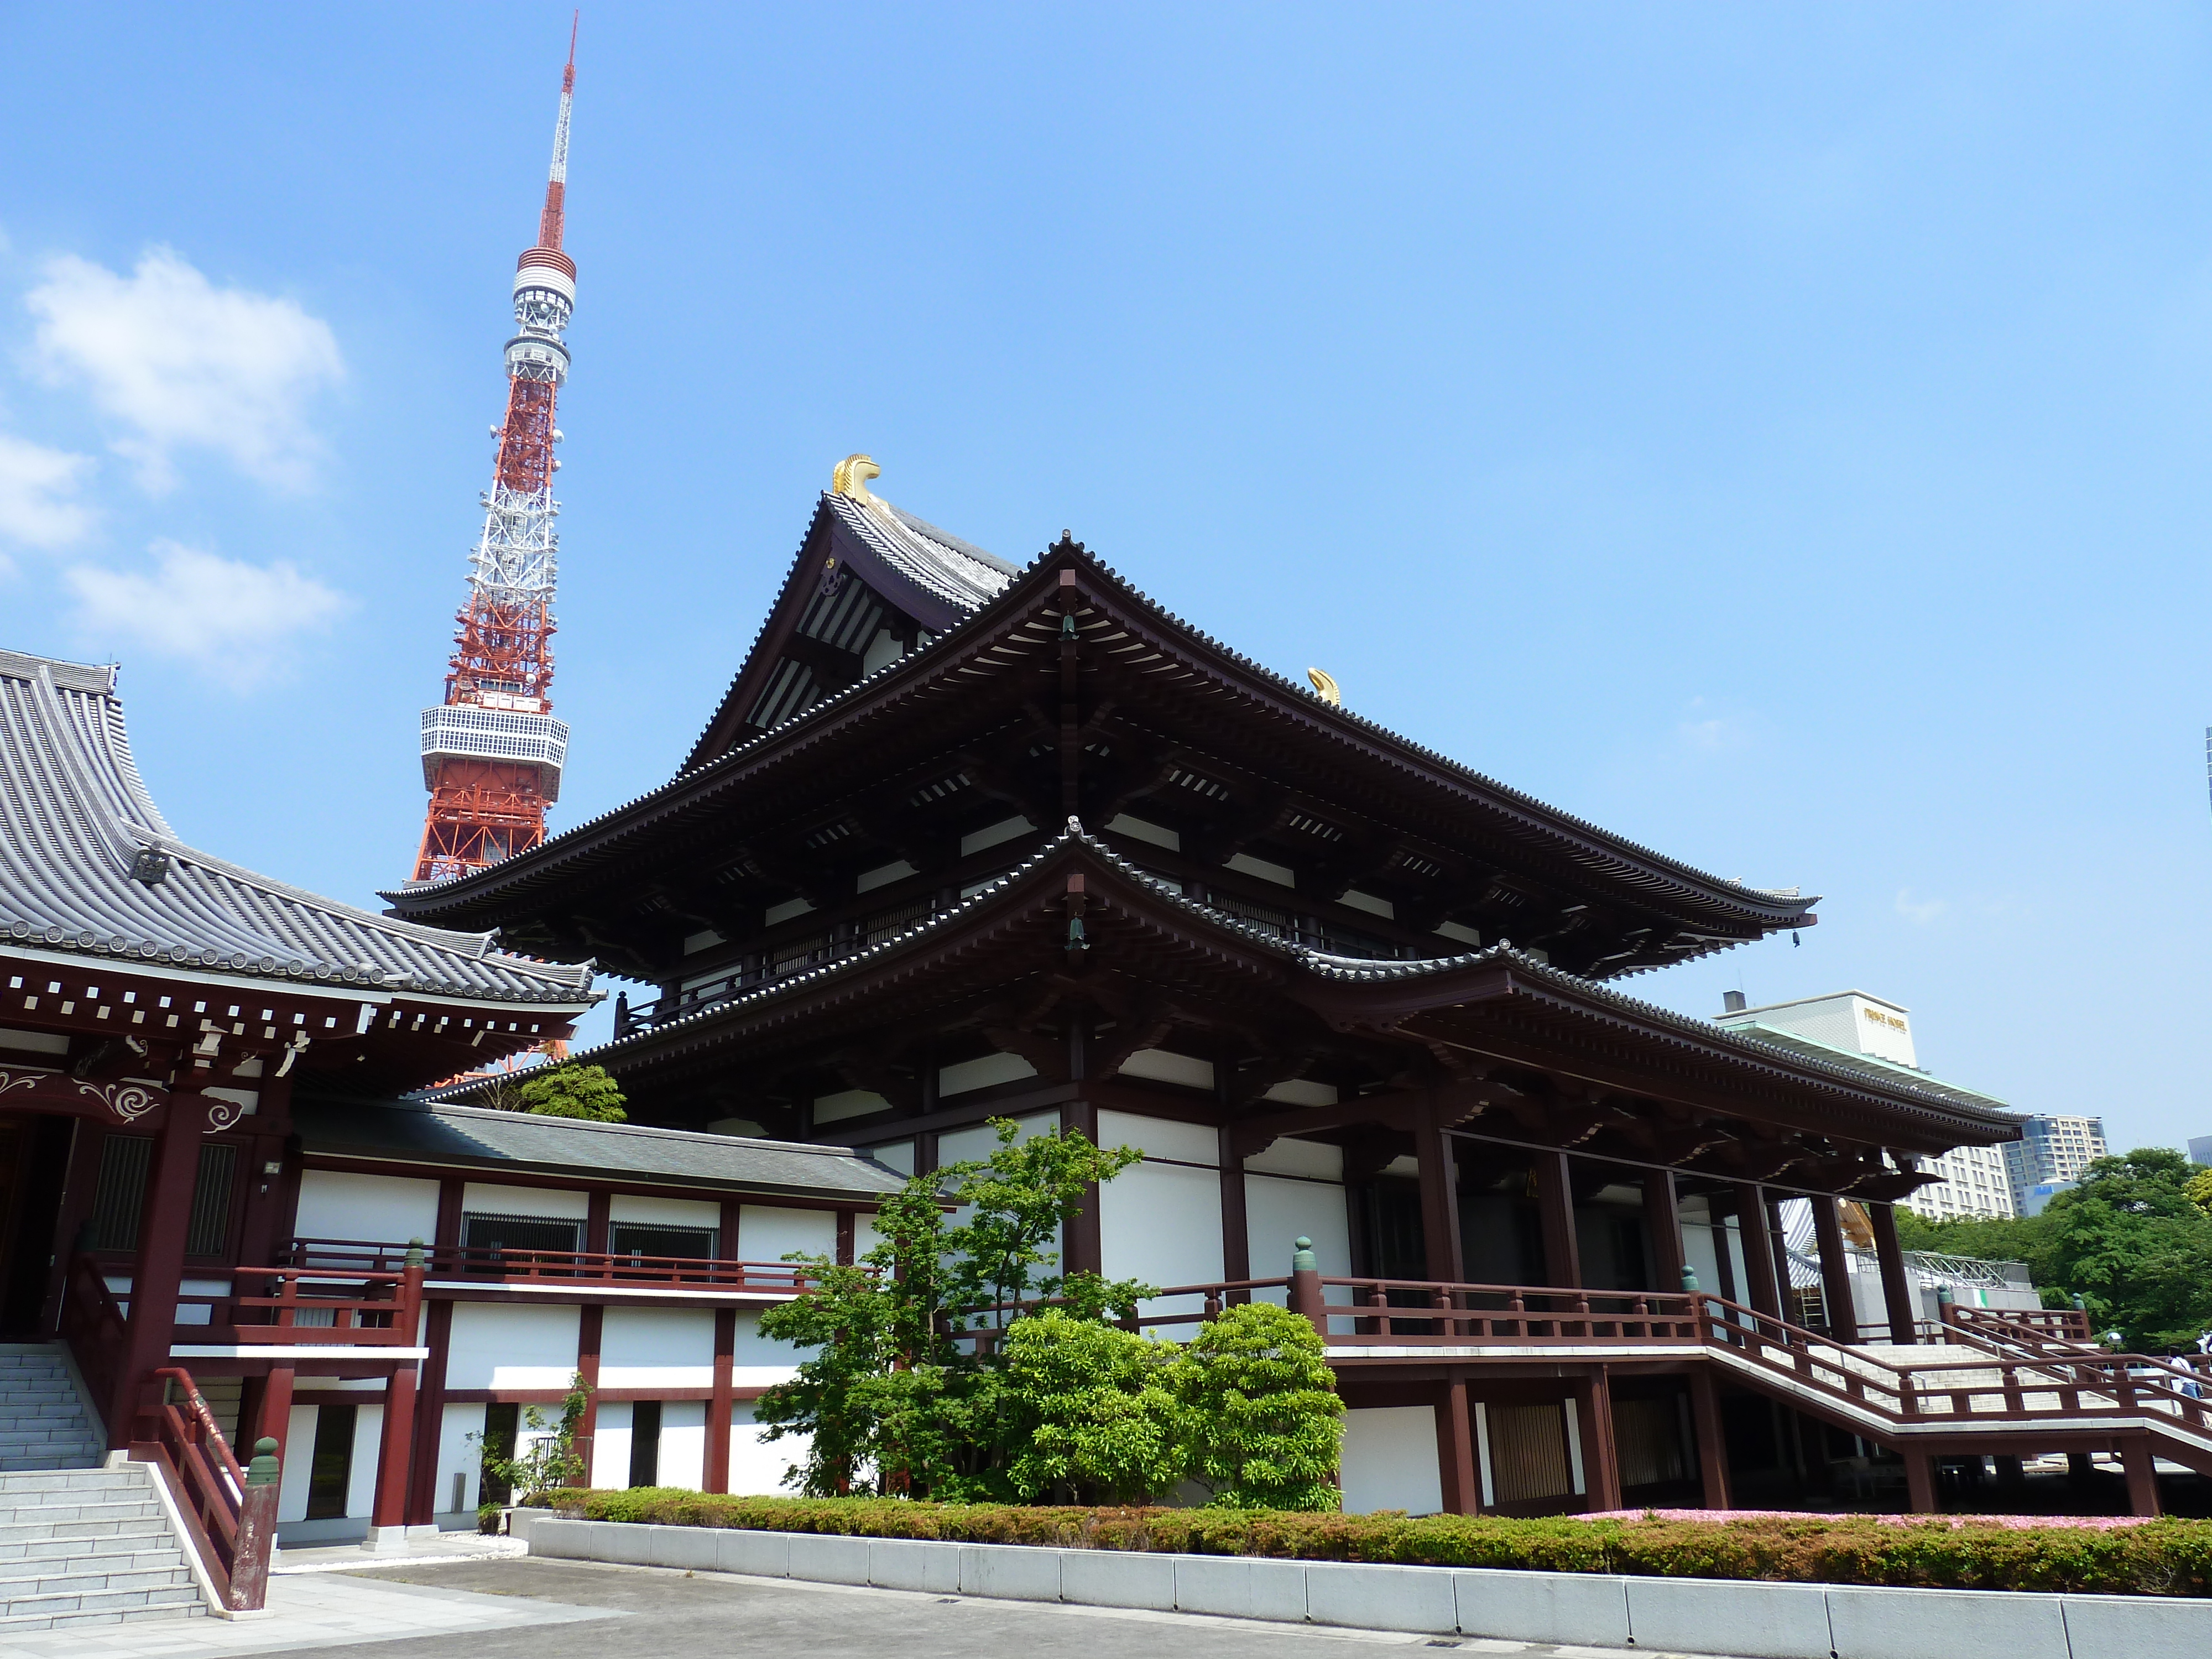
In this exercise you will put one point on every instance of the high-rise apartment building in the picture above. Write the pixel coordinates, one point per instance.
(2051, 1150)
(1875, 1034)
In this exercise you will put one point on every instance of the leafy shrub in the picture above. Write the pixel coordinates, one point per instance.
(1095, 1420)
(1266, 1425)
(584, 1091)
(2155, 1557)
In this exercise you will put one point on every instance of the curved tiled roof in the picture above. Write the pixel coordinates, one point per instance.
(1919, 1092)
(1613, 855)
(926, 555)
(76, 822)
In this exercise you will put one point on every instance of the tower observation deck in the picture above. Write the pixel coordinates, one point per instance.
(492, 751)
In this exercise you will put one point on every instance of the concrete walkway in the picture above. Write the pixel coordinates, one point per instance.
(513, 1608)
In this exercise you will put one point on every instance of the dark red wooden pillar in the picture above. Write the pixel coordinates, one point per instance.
(395, 1457)
(1555, 1210)
(1835, 1271)
(272, 1416)
(716, 1476)
(1236, 1231)
(590, 1327)
(1432, 1153)
(1919, 1480)
(597, 1208)
(1601, 1458)
(1662, 1219)
(1712, 1437)
(1455, 1448)
(1757, 1241)
(2143, 1475)
(164, 1219)
(1082, 1249)
(1897, 1299)
(423, 1494)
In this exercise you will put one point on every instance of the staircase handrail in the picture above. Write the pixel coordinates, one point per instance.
(229, 1512)
(93, 1325)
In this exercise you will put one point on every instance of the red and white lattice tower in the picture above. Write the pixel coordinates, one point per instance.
(492, 752)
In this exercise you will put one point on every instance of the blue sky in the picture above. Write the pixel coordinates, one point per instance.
(1778, 434)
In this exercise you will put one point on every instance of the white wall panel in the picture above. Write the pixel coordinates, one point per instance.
(373, 1208)
(757, 1466)
(361, 1487)
(1162, 1223)
(1390, 1461)
(610, 1446)
(563, 1204)
(1160, 1137)
(755, 1361)
(1292, 1157)
(654, 1211)
(682, 1444)
(766, 1233)
(1277, 1212)
(459, 1455)
(657, 1348)
(299, 1463)
(503, 1345)
(962, 1145)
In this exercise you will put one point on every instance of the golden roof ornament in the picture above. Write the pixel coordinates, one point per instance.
(1325, 688)
(850, 478)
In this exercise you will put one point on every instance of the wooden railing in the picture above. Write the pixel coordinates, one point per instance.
(93, 1325)
(310, 1258)
(348, 1306)
(2021, 1326)
(229, 1513)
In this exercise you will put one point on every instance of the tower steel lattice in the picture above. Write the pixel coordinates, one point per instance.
(492, 752)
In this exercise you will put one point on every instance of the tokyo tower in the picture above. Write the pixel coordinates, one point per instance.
(492, 751)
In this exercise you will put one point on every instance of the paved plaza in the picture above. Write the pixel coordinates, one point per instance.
(495, 1607)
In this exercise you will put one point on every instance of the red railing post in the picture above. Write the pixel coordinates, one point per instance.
(256, 1529)
(1306, 1287)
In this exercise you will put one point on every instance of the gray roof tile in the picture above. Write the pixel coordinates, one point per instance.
(74, 816)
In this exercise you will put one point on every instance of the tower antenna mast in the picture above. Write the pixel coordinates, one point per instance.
(492, 752)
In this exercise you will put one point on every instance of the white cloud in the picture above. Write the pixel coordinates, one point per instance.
(38, 490)
(236, 620)
(1919, 912)
(184, 364)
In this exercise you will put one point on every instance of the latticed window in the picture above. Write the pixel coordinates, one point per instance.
(120, 1195)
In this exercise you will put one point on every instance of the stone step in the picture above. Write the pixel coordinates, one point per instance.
(168, 1601)
(29, 1625)
(83, 1538)
(125, 1572)
(17, 1526)
(24, 1487)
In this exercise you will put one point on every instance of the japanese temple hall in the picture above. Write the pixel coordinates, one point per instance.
(967, 842)
(964, 841)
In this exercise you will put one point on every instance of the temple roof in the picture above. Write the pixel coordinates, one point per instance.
(1169, 674)
(1439, 999)
(88, 865)
(426, 1134)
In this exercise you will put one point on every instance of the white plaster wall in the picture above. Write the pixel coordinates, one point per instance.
(894, 1155)
(1292, 1157)
(960, 1145)
(502, 1344)
(611, 1445)
(361, 1487)
(299, 1459)
(486, 1198)
(684, 1444)
(1390, 1461)
(1698, 1250)
(1161, 1223)
(652, 1210)
(1277, 1212)
(657, 1348)
(757, 1467)
(459, 1455)
(981, 1072)
(766, 1233)
(755, 1361)
(1160, 1137)
(864, 1237)
(373, 1208)
(1166, 1065)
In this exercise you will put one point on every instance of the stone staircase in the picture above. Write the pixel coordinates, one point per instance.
(43, 1421)
(79, 1544)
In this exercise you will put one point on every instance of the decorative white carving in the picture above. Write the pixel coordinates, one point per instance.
(128, 1101)
(224, 1114)
(22, 1079)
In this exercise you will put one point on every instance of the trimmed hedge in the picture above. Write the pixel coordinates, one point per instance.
(2157, 1557)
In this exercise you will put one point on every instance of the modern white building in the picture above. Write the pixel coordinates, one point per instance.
(2052, 1152)
(1976, 1181)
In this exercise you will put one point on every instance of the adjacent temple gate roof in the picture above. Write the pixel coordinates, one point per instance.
(88, 865)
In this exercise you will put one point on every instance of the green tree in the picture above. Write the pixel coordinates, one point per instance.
(2199, 1190)
(892, 1398)
(543, 1462)
(584, 1091)
(1096, 1419)
(2130, 1241)
(1265, 1426)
